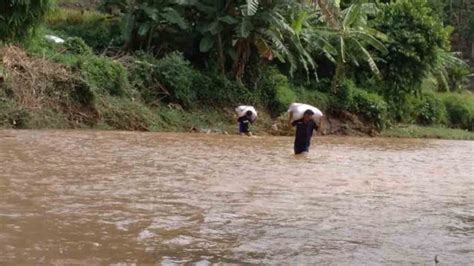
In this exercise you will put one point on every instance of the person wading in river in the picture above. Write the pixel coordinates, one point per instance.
(244, 123)
(304, 132)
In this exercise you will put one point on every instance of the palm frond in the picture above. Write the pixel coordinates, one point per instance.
(450, 60)
(282, 52)
(275, 19)
(172, 16)
(250, 8)
(244, 28)
(352, 15)
(442, 78)
(371, 40)
(206, 44)
(298, 22)
(370, 60)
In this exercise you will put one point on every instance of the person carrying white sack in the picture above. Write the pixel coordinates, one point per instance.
(306, 119)
(246, 116)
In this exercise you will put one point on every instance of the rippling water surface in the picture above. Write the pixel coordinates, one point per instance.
(73, 197)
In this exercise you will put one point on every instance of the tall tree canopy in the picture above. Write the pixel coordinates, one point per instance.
(414, 38)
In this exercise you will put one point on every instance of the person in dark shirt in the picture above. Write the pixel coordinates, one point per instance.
(304, 132)
(244, 123)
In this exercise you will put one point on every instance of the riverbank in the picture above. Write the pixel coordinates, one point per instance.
(223, 121)
(414, 131)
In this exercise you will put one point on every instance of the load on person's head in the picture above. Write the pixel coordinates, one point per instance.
(246, 116)
(246, 110)
(309, 112)
(298, 110)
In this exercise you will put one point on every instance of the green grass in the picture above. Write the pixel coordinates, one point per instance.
(414, 131)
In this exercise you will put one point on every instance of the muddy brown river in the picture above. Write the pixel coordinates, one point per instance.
(124, 198)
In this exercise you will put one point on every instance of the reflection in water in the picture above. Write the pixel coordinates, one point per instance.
(69, 197)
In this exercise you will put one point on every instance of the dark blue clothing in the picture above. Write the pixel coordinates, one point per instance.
(244, 124)
(304, 132)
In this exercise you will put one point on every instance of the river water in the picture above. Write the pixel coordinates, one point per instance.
(87, 198)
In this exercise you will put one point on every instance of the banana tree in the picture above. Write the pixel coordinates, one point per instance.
(350, 40)
(273, 28)
(146, 17)
(239, 29)
(450, 71)
(214, 20)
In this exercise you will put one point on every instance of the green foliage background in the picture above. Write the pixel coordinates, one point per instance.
(146, 63)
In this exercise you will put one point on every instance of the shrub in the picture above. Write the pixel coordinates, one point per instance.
(124, 114)
(411, 109)
(177, 77)
(105, 75)
(95, 74)
(48, 118)
(215, 90)
(430, 110)
(38, 44)
(322, 85)
(76, 45)
(170, 79)
(370, 105)
(460, 110)
(81, 92)
(316, 98)
(458, 77)
(90, 75)
(142, 75)
(345, 95)
(96, 29)
(284, 96)
(12, 115)
(275, 91)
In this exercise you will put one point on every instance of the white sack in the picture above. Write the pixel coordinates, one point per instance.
(298, 110)
(54, 39)
(243, 109)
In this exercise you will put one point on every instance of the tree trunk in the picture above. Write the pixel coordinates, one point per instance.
(328, 13)
(243, 55)
(338, 76)
(150, 38)
(472, 53)
(221, 54)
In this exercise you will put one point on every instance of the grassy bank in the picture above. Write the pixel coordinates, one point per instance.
(415, 131)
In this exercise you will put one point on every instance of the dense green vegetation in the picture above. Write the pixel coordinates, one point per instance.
(181, 65)
(18, 18)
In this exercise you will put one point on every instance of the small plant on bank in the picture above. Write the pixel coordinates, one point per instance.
(460, 110)
(369, 105)
(76, 45)
(177, 76)
(431, 110)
